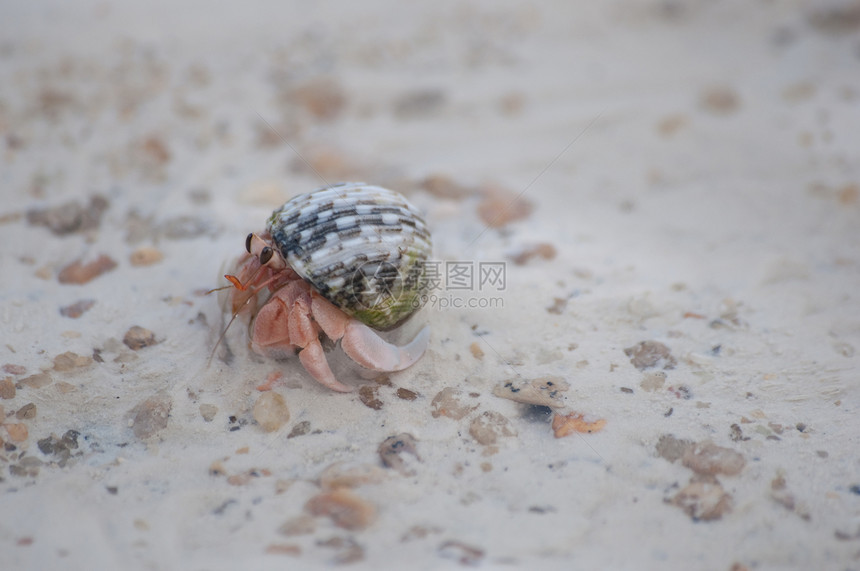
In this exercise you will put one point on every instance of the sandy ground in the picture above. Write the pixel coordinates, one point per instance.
(690, 170)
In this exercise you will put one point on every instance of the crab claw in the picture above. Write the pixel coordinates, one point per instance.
(313, 359)
(364, 346)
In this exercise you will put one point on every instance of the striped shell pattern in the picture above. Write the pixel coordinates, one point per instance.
(362, 247)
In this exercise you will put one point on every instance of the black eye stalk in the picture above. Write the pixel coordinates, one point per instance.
(248, 242)
(266, 255)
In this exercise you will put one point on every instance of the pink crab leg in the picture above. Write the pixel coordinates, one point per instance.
(301, 328)
(364, 346)
(303, 334)
(330, 319)
(271, 330)
(313, 359)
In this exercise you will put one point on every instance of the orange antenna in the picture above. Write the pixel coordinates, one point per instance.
(237, 283)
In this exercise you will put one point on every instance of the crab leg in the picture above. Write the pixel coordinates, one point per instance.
(331, 320)
(271, 333)
(314, 361)
(364, 346)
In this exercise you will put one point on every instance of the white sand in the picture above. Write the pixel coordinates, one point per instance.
(729, 231)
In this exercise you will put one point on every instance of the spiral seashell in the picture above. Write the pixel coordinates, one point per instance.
(362, 247)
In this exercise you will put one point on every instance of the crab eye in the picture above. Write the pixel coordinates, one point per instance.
(266, 255)
(248, 242)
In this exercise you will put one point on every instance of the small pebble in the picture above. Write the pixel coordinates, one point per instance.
(720, 100)
(150, 416)
(217, 469)
(369, 396)
(65, 388)
(849, 195)
(443, 186)
(709, 459)
(14, 369)
(323, 97)
(648, 354)
(26, 467)
(36, 381)
(139, 227)
(500, 207)
(419, 532)
(406, 394)
(778, 483)
(137, 338)
(476, 351)
(208, 411)
(545, 391)
(61, 448)
(348, 550)
(68, 361)
(26, 412)
(672, 448)
(450, 402)
(70, 217)
(7, 389)
(345, 509)
(152, 150)
(419, 103)
(488, 427)
(145, 256)
(461, 552)
(243, 478)
(79, 273)
(511, 104)
(77, 309)
(282, 485)
(671, 124)
(653, 381)
(836, 18)
(703, 499)
(392, 451)
(736, 433)
(300, 429)
(566, 424)
(271, 411)
(344, 475)
(300, 525)
(329, 163)
(283, 549)
(542, 250)
(558, 305)
(776, 427)
(787, 500)
(17, 431)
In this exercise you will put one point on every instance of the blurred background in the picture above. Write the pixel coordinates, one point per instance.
(647, 169)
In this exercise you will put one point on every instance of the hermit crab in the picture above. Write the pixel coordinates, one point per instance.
(341, 263)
